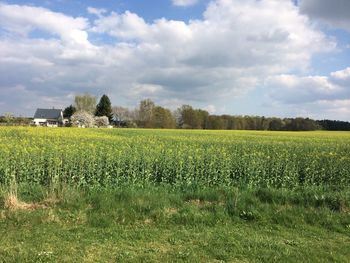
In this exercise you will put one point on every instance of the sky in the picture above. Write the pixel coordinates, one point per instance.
(282, 58)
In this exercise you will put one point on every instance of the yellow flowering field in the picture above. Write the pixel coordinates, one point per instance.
(181, 158)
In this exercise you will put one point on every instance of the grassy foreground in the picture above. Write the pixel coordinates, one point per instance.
(133, 195)
(157, 224)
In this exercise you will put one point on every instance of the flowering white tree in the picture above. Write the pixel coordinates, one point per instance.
(83, 119)
(101, 121)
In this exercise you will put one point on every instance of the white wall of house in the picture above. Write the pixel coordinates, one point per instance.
(38, 121)
(45, 122)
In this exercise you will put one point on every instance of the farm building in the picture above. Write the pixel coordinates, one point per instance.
(48, 117)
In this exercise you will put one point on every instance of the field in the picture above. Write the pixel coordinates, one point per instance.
(104, 157)
(173, 195)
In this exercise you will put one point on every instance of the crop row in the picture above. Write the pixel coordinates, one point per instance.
(116, 157)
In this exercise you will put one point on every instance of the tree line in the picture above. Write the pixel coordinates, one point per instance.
(150, 115)
(87, 112)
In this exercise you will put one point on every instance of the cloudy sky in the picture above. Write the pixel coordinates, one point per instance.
(281, 58)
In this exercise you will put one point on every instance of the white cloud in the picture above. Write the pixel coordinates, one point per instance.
(335, 107)
(144, 90)
(210, 108)
(226, 53)
(293, 89)
(316, 96)
(341, 78)
(232, 50)
(125, 26)
(24, 19)
(329, 109)
(342, 74)
(334, 13)
(184, 2)
(96, 11)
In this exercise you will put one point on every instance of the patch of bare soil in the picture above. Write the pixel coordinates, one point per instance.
(12, 203)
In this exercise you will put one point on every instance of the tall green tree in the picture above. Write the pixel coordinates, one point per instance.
(190, 118)
(203, 116)
(276, 124)
(216, 122)
(162, 118)
(104, 107)
(69, 111)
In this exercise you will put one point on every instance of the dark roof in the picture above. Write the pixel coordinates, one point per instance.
(47, 114)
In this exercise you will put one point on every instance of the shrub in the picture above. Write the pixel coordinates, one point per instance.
(101, 121)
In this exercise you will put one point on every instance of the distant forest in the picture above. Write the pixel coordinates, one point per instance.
(150, 115)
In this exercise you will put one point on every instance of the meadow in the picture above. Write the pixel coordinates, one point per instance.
(143, 195)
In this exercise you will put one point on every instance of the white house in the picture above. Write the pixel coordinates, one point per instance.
(48, 117)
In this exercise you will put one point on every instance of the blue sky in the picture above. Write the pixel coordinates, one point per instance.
(259, 57)
(149, 9)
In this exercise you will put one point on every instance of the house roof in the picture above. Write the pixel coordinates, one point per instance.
(47, 114)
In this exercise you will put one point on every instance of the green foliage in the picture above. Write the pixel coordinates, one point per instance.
(85, 103)
(149, 115)
(330, 125)
(8, 117)
(162, 118)
(69, 111)
(104, 107)
(152, 116)
(190, 118)
(10, 120)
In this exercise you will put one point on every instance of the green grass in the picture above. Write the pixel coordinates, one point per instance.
(120, 195)
(159, 224)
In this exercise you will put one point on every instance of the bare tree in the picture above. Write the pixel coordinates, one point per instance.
(121, 114)
(146, 111)
(8, 117)
(124, 116)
